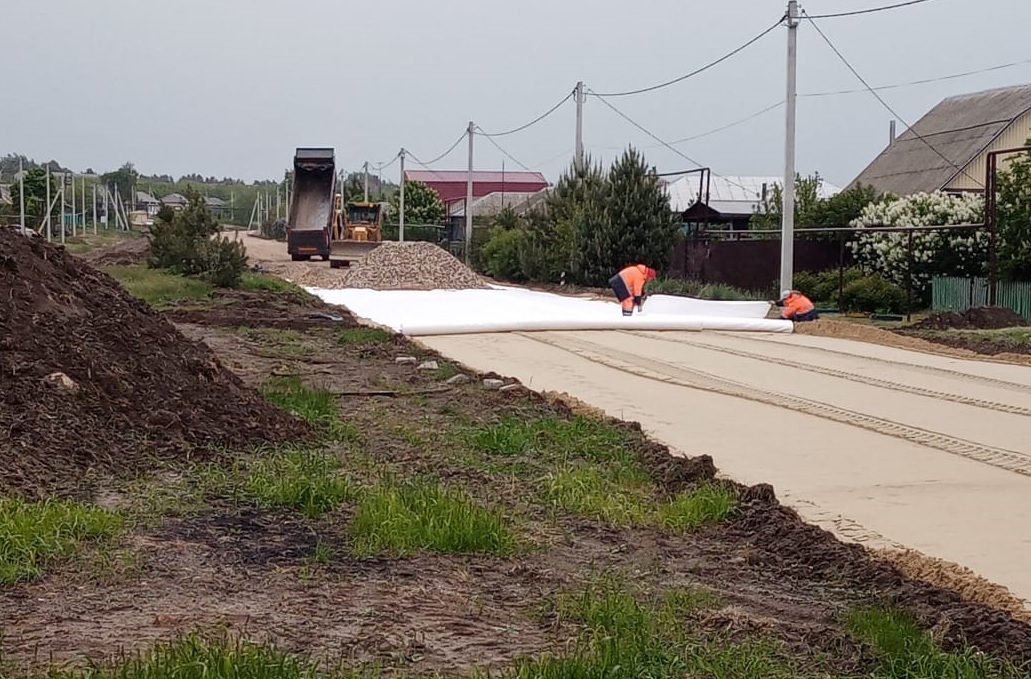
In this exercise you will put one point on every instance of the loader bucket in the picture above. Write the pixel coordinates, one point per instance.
(353, 249)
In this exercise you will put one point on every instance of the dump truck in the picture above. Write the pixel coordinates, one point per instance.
(357, 228)
(310, 219)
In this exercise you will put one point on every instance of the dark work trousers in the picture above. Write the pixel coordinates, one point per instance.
(619, 287)
(810, 315)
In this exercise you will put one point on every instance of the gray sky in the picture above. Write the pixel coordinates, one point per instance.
(230, 87)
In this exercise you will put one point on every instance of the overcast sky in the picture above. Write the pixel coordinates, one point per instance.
(231, 87)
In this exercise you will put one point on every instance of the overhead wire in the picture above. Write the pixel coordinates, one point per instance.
(658, 139)
(884, 103)
(700, 70)
(533, 122)
(923, 81)
(500, 148)
(442, 156)
(869, 10)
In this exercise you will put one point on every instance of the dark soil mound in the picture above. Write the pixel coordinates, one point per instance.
(978, 318)
(128, 252)
(262, 309)
(135, 388)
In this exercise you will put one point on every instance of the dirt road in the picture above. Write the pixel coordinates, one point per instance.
(883, 446)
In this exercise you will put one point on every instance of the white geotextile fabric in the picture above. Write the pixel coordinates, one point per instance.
(503, 309)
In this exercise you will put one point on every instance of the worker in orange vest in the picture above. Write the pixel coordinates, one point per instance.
(796, 307)
(629, 284)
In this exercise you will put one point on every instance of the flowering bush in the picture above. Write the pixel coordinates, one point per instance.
(935, 253)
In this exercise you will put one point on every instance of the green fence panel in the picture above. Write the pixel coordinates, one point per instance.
(959, 294)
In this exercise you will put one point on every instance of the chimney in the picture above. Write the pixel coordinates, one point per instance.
(891, 133)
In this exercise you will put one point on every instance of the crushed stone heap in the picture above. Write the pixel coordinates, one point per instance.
(411, 265)
(93, 379)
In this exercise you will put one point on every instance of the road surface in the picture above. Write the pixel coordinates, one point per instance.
(882, 446)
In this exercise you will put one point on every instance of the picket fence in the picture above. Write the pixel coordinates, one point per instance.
(960, 294)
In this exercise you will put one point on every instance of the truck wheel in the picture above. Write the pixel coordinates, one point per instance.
(325, 258)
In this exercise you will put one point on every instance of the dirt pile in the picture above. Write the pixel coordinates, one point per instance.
(412, 266)
(978, 318)
(128, 252)
(94, 379)
(261, 309)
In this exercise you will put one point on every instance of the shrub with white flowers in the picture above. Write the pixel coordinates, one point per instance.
(935, 253)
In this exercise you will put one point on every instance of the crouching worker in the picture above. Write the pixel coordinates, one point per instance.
(796, 307)
(629, 284)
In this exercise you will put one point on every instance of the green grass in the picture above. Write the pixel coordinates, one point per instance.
(904, 651)
(251, 280)
(413, 516)
(713, 291)
(623, 499)
(586, 466)
(158, 287)
(619, 636)
(192, 657)
(363, 335)
(555, 440)
(315, 405)
(307, 481)
(34, 533)
(1006, 336)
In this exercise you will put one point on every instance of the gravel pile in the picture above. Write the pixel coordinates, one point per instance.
(411, 266)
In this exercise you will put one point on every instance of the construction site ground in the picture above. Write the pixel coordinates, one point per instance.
(583, 539)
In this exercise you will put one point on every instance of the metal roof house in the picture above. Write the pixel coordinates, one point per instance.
(451, 184)
(946, 150)
(731, 200)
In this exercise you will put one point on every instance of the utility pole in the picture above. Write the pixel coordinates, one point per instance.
(787, 242)
(74, 222)
(94, 208)
(401, 203)
(579, 157)
(366, 181)
(469, 198)
(50, 208)
(21, 190)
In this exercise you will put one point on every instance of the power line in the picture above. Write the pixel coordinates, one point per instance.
(923, 81)
(884, 103)
(499, 147)
(870, 10)
(699, 70)
(532, 122)
(656, 138)
(753, 116)
(442, 156)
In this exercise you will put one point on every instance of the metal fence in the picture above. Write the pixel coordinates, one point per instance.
(960, 294)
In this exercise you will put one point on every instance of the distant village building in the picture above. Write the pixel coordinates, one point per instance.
(725, 201)
(451, 185)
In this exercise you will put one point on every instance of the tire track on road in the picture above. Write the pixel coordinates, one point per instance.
(1000, 458)
(934, 370)
(844, 374)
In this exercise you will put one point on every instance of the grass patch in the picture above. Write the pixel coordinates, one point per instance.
(904, 651)
(1004, 336)
(251, 280)
(34, 533)
(622, 637)
(158, 287)
(363, 335)
(555, 440)
(585, 465)
(446, 371)
(308, 481)
(623, 498)
(191, 657)
(713, 291)
(413, 516)
(315, 405)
